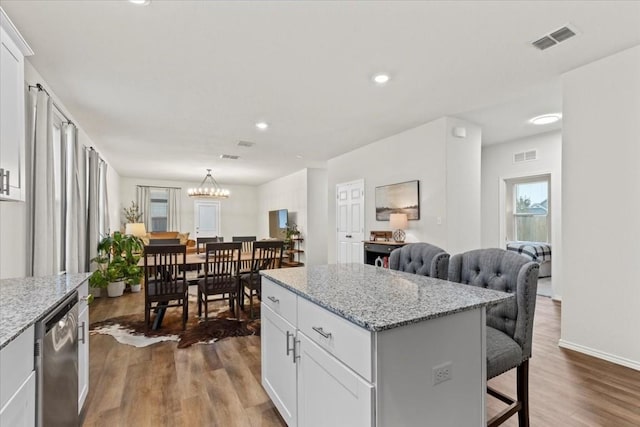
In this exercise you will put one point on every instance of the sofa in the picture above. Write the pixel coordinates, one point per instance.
(184, 238)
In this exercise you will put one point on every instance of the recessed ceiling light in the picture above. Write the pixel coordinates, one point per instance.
(140, 2)
(262, 125)
(298, 156)
(381, 79)
(546, 119)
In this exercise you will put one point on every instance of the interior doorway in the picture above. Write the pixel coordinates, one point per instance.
(207, 219)
(350, 222)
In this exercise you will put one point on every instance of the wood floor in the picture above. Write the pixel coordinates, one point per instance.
(219, 384)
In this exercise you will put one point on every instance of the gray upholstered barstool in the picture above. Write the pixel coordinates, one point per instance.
(509, 323)
(420, 258)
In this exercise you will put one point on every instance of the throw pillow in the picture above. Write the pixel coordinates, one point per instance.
(145, 239)
(184, 238)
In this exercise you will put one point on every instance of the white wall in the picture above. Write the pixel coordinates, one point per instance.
(316, 238)
(601, 205)
(237, 213)
(13, 217)
(498, 165)
(422, 153)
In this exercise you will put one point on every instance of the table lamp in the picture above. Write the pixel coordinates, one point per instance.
(398, 222)
(135, 228)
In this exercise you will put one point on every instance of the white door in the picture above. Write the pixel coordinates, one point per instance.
(350, 222)
(278, 367)
(329, 393)
(207, 219)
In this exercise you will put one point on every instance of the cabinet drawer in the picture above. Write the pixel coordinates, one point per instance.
(280, 300)
(16, 364)
(380, 249)
(349, 343)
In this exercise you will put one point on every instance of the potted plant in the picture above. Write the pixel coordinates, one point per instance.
(290, 233)
(117, 261)
(132, 214)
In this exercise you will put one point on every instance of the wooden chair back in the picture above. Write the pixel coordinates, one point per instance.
(247, 242)
(266, 255)
(222, 263)
(202, 241)
(164, 267)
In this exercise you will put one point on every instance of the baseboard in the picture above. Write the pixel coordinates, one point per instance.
(600, 354)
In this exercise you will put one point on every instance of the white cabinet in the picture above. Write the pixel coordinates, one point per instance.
(83, 344)
(18, 385)
(13, 49)
(278, 367)
(329, 393)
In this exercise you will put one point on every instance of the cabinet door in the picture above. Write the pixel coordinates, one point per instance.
(12, 124)
(83, 357)
(329, 393)
(20, 410)
(278, 367)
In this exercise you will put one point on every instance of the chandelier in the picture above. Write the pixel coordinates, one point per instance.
(209, 189)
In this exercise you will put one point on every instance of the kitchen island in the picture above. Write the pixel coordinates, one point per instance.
(358, 345)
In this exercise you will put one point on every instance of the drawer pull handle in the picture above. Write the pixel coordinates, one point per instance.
(84, 331)
(273, 299)
(289, 334)
(321, 331)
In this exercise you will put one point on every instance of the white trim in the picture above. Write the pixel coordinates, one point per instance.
(14, 34)
(600, 354)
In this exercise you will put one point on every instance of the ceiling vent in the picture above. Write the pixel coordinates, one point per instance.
(229, 156)
(555, 37)
(246, 143)
(525, 156)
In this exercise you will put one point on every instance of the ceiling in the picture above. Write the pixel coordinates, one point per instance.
(163, 90)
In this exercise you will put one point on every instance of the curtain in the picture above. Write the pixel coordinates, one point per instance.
(143, 196)
(76, 205)
(104, 198)
(173, 209)
(93, 205)
(43, 242)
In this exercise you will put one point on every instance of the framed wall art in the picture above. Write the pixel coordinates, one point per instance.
(398, 198)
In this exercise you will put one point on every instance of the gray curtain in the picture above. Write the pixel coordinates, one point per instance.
(143, 196)
(76, 204)
(94, 233)
(43, 243)
(173, 209)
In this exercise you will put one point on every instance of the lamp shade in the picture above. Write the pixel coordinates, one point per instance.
(135, 229)
(398, 221)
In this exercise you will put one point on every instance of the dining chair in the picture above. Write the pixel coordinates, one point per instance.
(509, 323)
(222, 262)
(266, 255)
(163, 242)
(247, 247)
(420, 258)
(202, 241)
(165, 281)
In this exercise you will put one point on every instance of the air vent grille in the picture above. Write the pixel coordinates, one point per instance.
(562, 34)
(229, 156)
(246, 143)
(554, 38)
(525, 156)
(544, 43)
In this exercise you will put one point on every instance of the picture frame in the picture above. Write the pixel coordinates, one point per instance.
(403, 197)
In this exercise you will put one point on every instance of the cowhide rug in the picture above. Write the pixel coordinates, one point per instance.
(130, 329)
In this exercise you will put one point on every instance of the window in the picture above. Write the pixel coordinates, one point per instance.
(159, 209)
(529, 214)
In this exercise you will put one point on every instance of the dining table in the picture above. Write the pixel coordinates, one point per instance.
(194, 259)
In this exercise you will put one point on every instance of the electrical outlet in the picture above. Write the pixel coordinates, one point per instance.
(442, 373)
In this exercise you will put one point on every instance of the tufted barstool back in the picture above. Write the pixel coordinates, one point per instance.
(420, 258)
(509, 330)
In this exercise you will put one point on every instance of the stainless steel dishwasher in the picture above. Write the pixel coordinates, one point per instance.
(57, 365)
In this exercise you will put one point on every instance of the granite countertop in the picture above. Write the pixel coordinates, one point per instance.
(377, 298)
(24, 301)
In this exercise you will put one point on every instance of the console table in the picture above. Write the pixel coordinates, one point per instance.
(373, 250)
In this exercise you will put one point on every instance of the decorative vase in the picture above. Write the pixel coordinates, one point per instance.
(136, 287)
(115, 289)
